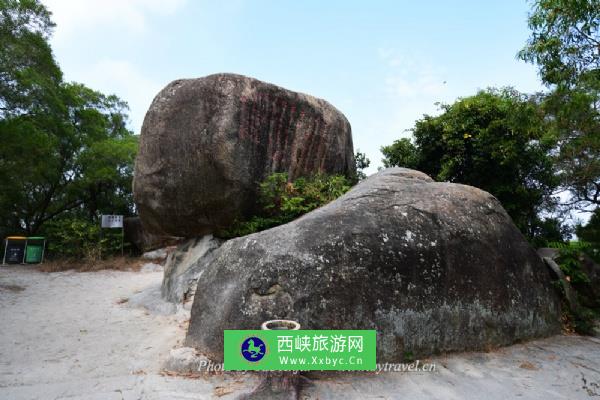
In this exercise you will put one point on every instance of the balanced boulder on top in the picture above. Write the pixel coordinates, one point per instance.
(206, 143)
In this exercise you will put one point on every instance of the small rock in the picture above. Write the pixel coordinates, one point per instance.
(151, 267)
(185, 360)
(149, 299)
(159, 254)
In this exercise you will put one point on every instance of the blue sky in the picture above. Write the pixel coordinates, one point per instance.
(382, 63)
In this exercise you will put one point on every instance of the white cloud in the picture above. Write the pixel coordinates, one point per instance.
(413, 87)
(92, 19)
(130, 15)
(422, 83)
(393, 59)
(409, 86)
(126, 81)
(407, 78)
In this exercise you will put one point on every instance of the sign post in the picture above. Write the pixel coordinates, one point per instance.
(114, 221)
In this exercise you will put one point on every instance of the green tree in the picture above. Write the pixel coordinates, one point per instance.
(29, 75)
(77, 160)
(590, 232)
(401, 153)
(495, 140)
(565, 45)
(362, 163)
(64, 148)
(565, 41)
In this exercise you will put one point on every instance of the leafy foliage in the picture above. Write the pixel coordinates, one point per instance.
(402, 153)
(569, 254)
(583, 317)
(548, 231)
(283, 201)
(565, 45)
(29, 75)
(78, 161)
(80, 239)
(66, 152)
(565, 41)
(575, 122)
(362, 163)
(495, 140)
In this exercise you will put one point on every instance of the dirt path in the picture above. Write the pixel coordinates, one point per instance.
(72, 335)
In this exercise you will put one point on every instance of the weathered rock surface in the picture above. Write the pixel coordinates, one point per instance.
(431, 266)
(205, 143)
(184, 265)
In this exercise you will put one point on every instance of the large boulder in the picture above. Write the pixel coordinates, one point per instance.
(206, 143)
(432, 267)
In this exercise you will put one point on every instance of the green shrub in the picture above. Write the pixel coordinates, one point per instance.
(583, 320)
(282, 201)
(583, 317)
(569, 262)
(80, 238)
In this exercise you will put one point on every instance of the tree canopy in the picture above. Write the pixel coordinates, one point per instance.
(65, 148)
(565, 45)
(526, 149)
(495, 140)
(362, 163)
(565, 41)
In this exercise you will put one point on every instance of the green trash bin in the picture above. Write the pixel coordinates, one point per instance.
(34, 253)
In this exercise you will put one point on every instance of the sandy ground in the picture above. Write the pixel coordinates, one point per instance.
(105, 335)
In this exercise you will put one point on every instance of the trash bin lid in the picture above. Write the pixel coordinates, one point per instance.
(16, 238)
(36, 238)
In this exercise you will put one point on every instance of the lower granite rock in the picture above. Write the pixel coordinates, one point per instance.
(433, 267)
